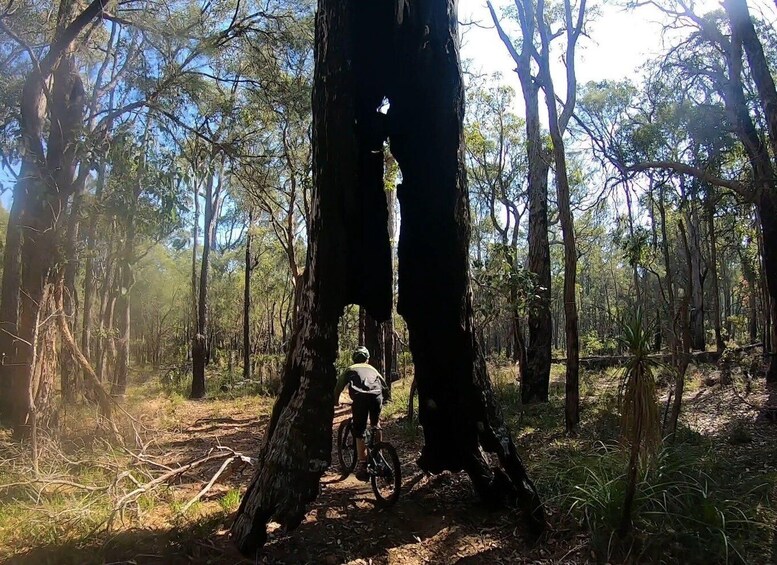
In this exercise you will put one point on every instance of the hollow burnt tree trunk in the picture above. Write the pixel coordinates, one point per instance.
(340, 269)
(411, 58)
(456, 403)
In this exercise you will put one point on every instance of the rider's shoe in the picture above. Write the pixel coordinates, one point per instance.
(361, 472)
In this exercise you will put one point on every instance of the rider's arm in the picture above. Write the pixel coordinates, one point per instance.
(383, 386)
(340, 386)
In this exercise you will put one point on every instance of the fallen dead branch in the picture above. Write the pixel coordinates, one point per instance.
(225, 425)
(236, 458)
(48, 481)
(229, 455)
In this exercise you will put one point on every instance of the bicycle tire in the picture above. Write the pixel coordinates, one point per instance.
(386, 474)
(346, 447)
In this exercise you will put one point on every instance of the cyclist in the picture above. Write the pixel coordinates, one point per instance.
(366, 388)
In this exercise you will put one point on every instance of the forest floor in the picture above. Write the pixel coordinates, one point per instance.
(706, 500)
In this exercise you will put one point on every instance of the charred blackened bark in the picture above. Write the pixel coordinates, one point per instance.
(768, 217)
(366, 51)
(298, 444)
(456, 403)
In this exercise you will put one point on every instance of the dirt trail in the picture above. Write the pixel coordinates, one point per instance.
(437, 519)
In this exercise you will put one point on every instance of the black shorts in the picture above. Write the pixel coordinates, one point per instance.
(365, 405)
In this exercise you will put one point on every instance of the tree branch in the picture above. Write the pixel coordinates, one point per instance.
(700, 174)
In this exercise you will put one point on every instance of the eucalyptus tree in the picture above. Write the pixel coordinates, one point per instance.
(53, 169)
(496, 169)
(535, 23)
(717, 43)
(279, 179)
(535, 387)
(102, 68)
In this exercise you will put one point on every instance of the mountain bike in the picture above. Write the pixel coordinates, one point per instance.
(382, 463)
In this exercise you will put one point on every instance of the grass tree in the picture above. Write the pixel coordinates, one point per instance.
(639, 409)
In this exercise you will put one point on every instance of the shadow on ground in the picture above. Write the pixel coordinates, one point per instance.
(437, 519)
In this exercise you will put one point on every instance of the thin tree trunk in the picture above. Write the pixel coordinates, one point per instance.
(247, 302)
(682, 328)
(195, 237)
(124, 308)
(89, 274)
(572, 386)
(698, 337)
(70, 375)
(200, 340)
(719, 344)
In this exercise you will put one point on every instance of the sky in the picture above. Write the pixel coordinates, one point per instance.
(619, 42)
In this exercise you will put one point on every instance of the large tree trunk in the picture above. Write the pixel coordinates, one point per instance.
(288, 474)
(534, 388)
(768, 217)
(742, 23)
(535, 385)
(9, 299)
(48, 185)
(758, 155)
(423, 84)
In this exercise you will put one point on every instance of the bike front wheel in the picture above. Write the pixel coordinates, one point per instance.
(385, 474)
(346, 448)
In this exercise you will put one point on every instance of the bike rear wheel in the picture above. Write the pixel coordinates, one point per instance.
(385, 474)
(346, 448)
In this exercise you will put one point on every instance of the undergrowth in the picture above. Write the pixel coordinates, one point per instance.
(696, 504)
(705, 500)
